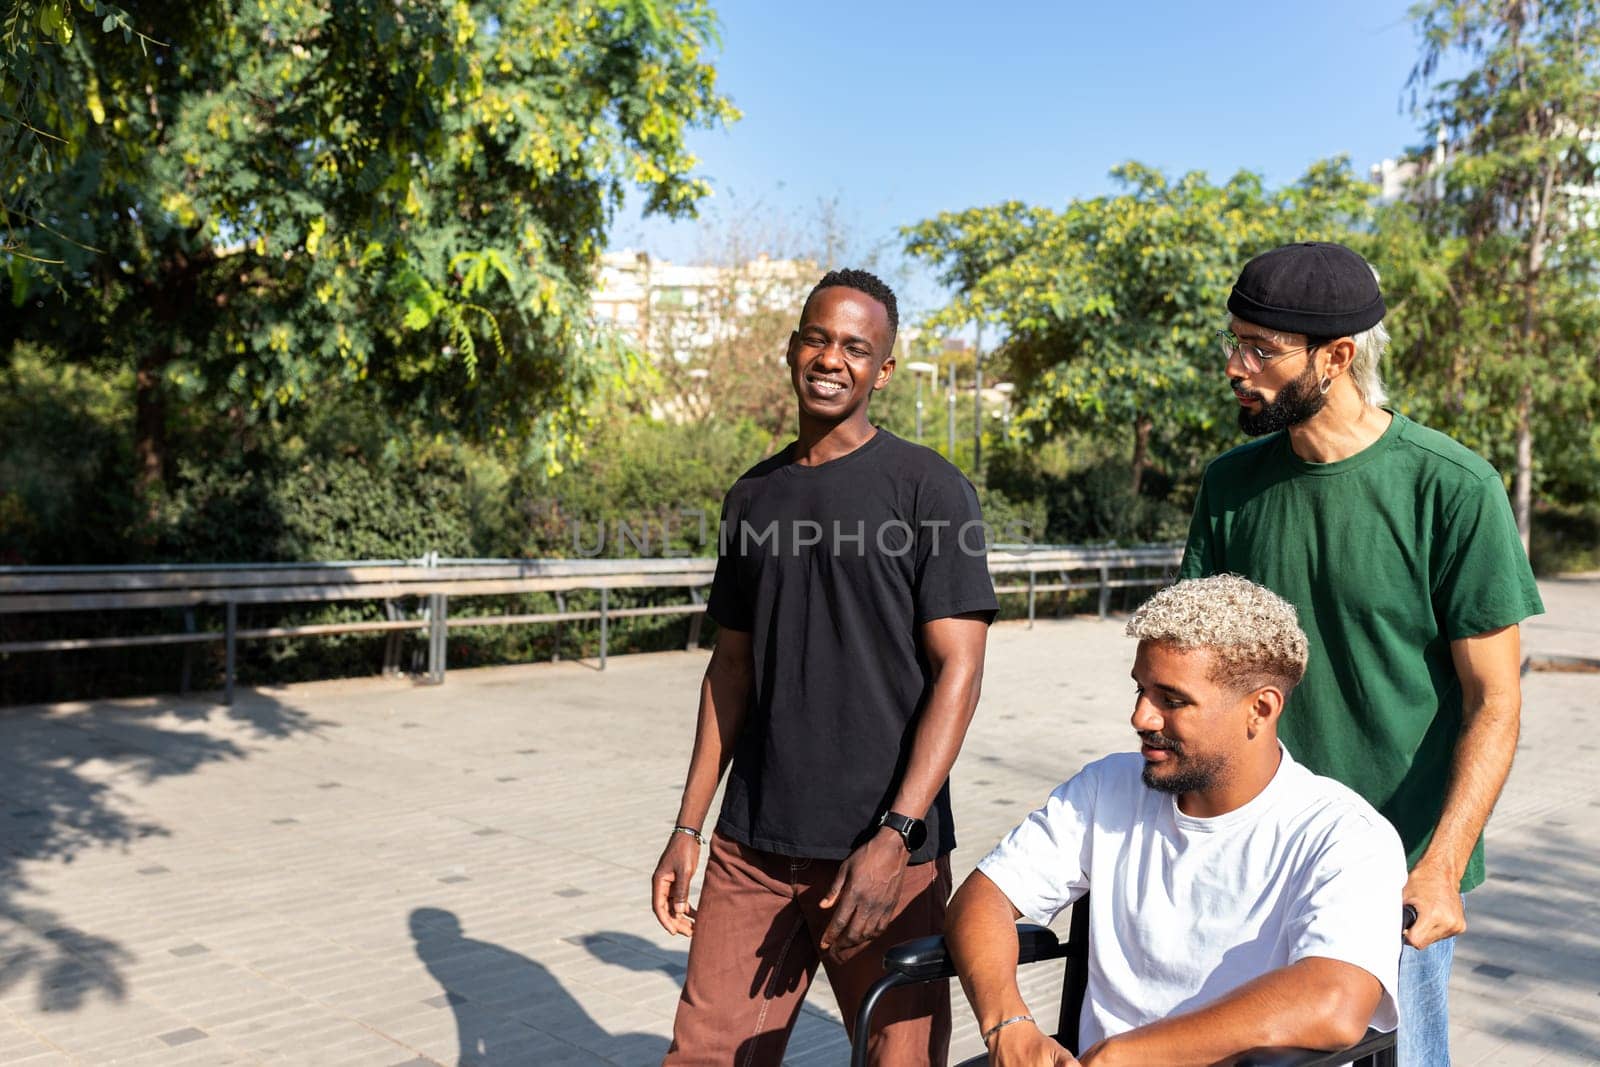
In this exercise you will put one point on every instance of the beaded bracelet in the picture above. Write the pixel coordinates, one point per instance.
(1002, 1024)
(691, 831)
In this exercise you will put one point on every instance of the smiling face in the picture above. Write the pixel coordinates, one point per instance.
(1284, 392)
(840, 355)
(1191, 727)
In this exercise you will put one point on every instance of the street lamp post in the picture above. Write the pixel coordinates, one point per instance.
(919, 368)
(1005, 389)
(952, 400)
(977, 405)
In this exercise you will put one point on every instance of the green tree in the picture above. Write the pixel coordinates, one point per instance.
(277, 199)
(34, 35)
(1109, 306)
(1502, 342)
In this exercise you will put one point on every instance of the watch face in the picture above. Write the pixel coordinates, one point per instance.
(912, 831)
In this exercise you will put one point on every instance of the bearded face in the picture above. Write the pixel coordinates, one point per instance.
(1298, 400)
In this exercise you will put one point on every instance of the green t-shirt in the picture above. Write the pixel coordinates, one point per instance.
(1388, 556)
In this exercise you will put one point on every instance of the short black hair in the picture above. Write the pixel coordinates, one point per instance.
(866, 282)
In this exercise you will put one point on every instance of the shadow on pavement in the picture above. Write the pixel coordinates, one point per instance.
(1535, 920)
(510, 1009)
(59, 799)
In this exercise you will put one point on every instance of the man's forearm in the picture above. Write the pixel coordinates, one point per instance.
(937, 742)
(941, 729)
(981, 934)
(1489, 666)
(1315, 1004)
(1478, 772)
(724, 703)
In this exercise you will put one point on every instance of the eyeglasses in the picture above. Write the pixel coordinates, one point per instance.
(1253, 356)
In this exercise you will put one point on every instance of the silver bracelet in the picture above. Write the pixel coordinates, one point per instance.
(1002, 1024)
(691, 831)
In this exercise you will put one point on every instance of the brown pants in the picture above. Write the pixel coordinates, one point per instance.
(754, 953)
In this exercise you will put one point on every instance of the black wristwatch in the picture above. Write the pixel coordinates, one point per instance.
(912, 831)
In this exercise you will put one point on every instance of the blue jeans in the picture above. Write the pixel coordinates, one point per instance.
(1425, 1005)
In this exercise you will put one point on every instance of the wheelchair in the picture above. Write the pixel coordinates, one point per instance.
(927, 960)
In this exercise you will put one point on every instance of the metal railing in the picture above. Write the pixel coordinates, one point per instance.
(435, 581)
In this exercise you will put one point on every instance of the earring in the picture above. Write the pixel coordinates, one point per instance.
(1325, 385)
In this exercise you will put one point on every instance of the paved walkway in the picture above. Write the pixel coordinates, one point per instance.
(376, 873)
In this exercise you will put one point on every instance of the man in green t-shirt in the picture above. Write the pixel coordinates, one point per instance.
(1397, 546)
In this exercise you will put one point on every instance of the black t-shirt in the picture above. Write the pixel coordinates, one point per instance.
(833, 569)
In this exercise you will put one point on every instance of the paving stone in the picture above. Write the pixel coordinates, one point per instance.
(444, 999)
(182, 1037)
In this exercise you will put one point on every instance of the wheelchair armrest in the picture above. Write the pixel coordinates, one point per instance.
(923, 959)
(1374, 1041)
(926, 959)
(1035, 943)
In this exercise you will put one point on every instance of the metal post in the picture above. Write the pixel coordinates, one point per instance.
(952, 405)
(438, 612)
(230, 628)
(391, 642)
(977, 406)
(605, 624)
(444, 635)
(433, 637)
(561, 606)
(188, 652)
(695, 622)
(1030, 599)
(1105, 590)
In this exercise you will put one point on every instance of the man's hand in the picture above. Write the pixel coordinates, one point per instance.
(1436, 894)
(669, 886)
(1025, 1045)
(864, 894)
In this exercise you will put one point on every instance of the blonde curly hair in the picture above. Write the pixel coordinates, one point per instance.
(1253, 632)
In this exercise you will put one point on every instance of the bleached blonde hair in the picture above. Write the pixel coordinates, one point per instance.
(1371, 344)
(1253, 633)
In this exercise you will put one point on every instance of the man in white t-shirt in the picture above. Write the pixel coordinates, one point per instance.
(1239, 901)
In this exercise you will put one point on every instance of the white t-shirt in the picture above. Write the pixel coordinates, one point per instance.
(1185, 910)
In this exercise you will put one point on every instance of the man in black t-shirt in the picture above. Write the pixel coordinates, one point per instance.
(852, 591)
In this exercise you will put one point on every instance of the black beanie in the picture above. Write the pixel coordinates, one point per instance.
(1316, 288)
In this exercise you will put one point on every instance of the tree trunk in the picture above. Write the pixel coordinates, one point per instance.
(1142, 425)
(171, 295)
(149, 431)
(1522, 485)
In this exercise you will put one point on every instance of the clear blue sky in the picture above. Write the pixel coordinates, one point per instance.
(899, 111)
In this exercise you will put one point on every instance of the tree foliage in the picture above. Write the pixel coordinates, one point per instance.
(275, 199)
(1109, 306)
(34, 35)
(1502, 215)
